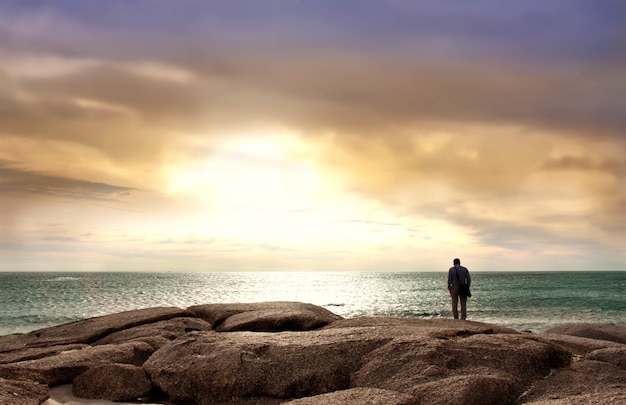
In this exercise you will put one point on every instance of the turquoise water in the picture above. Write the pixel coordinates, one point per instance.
(520, 300)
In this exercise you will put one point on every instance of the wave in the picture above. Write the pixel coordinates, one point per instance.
(63, 278)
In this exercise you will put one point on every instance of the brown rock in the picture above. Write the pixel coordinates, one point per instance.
(613, 355)
(406, 364)
(15, 341)
(91, 329)
(273, 320)
(264, 316)
(22, 392)
(585, 382)
(360, 395)
(62, 368)
(157, 333)
(206, 367)
(611, 333)
(577, 345)
(479, 389)
(36, 353)
(114, 382)
(361, 360)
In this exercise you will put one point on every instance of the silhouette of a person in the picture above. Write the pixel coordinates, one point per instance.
(457, 276)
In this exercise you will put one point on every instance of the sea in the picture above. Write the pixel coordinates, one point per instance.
(530, 301)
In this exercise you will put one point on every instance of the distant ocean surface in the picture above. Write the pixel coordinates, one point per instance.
(520, 300)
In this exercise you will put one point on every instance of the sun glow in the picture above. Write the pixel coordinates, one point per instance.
(261, 188)
(269, 190)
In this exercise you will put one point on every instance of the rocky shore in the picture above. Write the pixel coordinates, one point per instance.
(297, 353)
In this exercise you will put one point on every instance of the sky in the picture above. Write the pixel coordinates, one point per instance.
(325, 135)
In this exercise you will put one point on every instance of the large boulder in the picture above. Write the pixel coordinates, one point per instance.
(264, 316)
(91, 329)
(611, 333)
(114, 382)
(157, 333)
(414, 358)
(87, 331)
(207, 367)
(404, 363)
(22, 392)
(62, 368)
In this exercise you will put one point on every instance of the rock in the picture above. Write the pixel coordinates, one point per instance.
(577, 345)
(584, 382)
(157, 333)
(36, 353)
(221, 366)
(206, 367)
(86, 331)
(89, 330)
(304, 354)
(408, 365)
(359, 395)
(62, 368)
(22, 392)
(265, 316)
(613, 355)
(272, 320)
(114, 382)
(479, 389)
(611, 333)
(15, 341)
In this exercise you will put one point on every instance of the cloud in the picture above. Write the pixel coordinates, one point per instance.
(480, 115)
(584, 164)
(435, 64)
(14, 180)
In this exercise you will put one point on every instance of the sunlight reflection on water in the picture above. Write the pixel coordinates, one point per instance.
(518, 300)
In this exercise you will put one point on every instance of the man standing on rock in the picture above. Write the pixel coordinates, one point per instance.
(459, 281)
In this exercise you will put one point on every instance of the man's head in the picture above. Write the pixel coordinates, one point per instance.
(456, 261)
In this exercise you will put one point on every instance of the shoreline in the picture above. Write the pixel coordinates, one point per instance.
(541, 300)
(279, 352)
